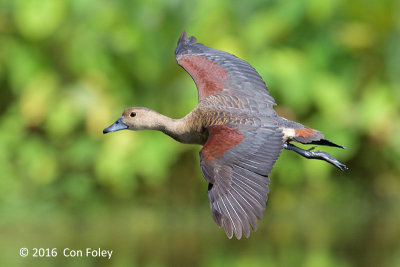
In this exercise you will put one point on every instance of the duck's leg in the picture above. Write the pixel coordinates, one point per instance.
(310, 154)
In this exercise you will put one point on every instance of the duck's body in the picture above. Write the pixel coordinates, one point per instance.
(241, 134)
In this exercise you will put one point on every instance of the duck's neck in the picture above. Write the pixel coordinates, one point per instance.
(187, 130)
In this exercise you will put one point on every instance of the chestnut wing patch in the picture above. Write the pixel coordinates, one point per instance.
(207, 74)
(221, 138)
(236, 161)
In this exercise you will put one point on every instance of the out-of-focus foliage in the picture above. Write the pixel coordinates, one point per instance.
(69, 68)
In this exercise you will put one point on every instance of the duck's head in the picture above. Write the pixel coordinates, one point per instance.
(133, 119)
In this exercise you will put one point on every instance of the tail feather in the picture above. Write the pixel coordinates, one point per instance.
(326, 142)
(294, 131)
(307, 135)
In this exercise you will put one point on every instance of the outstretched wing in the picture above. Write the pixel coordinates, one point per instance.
(218, 72)
(236, 161)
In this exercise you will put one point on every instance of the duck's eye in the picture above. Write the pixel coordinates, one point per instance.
(133, 114)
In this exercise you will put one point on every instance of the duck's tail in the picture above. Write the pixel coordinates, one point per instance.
(294, 131)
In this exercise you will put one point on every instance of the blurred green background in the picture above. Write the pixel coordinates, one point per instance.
(69, 68)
